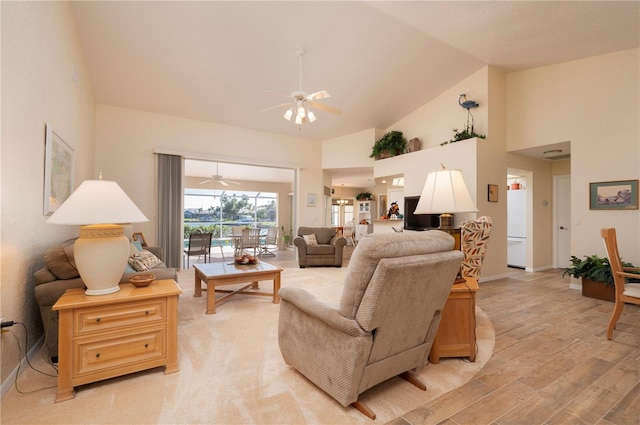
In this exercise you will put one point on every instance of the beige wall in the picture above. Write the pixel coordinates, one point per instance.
(39, 48)
(593, 103)
(126, 140)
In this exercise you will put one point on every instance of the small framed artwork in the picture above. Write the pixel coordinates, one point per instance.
(311, 199)
(139, 237)
(58, 171)
(492, 193)
(614, 195)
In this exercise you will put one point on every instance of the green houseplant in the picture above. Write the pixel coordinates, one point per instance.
(364, 196)
(465, 134)
(595, 272)
(391, 144)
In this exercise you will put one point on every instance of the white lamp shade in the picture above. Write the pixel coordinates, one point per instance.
(445, 192)
(97, 202)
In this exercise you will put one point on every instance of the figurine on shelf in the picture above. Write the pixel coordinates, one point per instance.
(393, 211)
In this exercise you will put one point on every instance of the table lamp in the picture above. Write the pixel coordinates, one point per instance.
(444, 193)
(101, 252)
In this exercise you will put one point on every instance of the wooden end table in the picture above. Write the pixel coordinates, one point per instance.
(456, 335)
(103, 336)
(220, 274)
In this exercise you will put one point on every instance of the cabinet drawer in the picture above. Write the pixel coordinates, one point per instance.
(87, 320)
(125, 349)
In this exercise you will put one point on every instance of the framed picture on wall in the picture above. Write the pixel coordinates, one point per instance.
(58, 171)
(492, 193)
(311, 199)
(614, 195)
(139, 237)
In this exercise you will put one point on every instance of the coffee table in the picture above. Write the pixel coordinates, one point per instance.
(219, 274)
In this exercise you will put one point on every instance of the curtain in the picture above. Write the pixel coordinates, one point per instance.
(169, 207)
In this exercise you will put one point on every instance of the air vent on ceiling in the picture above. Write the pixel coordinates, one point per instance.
(555, 158)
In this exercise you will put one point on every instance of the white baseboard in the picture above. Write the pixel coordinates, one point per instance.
(494, 277)
(8, 383)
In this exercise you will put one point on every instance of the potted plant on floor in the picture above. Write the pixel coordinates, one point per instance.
(391, 144)
(595, 273)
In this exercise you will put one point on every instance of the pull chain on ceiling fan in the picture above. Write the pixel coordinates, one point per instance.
(301, 102)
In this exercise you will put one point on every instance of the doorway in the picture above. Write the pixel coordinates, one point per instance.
(519, 219)
(562, 220)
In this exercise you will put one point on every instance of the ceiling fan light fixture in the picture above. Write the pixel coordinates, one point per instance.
(288, 115)
(312, 116)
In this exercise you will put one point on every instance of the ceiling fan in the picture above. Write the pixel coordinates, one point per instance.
(300, 102)
(218, 178)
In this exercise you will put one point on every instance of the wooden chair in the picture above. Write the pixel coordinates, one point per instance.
(625, 292)
(269, 242)
(236, 236)
(348, 233)
(200, 245)
(250, 239)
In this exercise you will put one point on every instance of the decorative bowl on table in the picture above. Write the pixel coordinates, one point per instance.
(142, 279)
(245, 260)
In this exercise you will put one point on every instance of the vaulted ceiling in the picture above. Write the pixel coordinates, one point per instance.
(222, 61)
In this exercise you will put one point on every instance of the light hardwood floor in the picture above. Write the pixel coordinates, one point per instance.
(552, 363)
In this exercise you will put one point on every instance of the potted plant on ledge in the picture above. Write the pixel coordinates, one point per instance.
(597, 280)
(391, 144)
(465, 134)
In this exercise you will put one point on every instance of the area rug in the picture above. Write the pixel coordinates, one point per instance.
(231, 372)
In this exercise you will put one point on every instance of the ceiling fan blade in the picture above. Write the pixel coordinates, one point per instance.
(232, 182)
(205, 181)
(276, 106)
(326, 108)
(222, 182)
(288, 96)
(322, 94)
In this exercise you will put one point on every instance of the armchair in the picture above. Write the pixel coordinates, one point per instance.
(395, 288)
(475, 236)
(327, 251)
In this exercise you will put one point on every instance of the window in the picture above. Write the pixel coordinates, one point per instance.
(217, 211)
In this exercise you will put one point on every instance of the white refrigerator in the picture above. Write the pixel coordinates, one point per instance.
(517, 228)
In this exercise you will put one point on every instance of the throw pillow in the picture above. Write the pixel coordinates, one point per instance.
(142, 261)
(310, 239)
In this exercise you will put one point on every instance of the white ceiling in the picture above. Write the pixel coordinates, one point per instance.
(217, 61)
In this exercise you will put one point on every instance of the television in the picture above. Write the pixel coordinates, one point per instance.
(418, 221)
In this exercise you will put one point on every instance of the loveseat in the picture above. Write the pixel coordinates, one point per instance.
(319, 246)
(60, 274)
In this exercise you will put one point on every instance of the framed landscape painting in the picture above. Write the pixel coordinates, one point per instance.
(58, 171)
(614, 195)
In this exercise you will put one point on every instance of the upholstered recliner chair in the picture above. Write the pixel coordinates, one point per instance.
(324, 248)
(395, 287)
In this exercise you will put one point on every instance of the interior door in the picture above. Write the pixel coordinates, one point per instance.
(562, 225)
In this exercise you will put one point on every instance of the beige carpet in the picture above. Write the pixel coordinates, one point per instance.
(231, 372)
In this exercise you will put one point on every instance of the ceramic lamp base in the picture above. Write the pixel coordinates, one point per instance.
(101, 254)
(446, 221)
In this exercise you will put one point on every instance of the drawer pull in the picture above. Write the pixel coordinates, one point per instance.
(146, 312)
(98, 319)
(146, 346)
(97, 355)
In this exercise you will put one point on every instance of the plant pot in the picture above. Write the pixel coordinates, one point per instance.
(385, 154)
(598, 290)
(515, 186)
